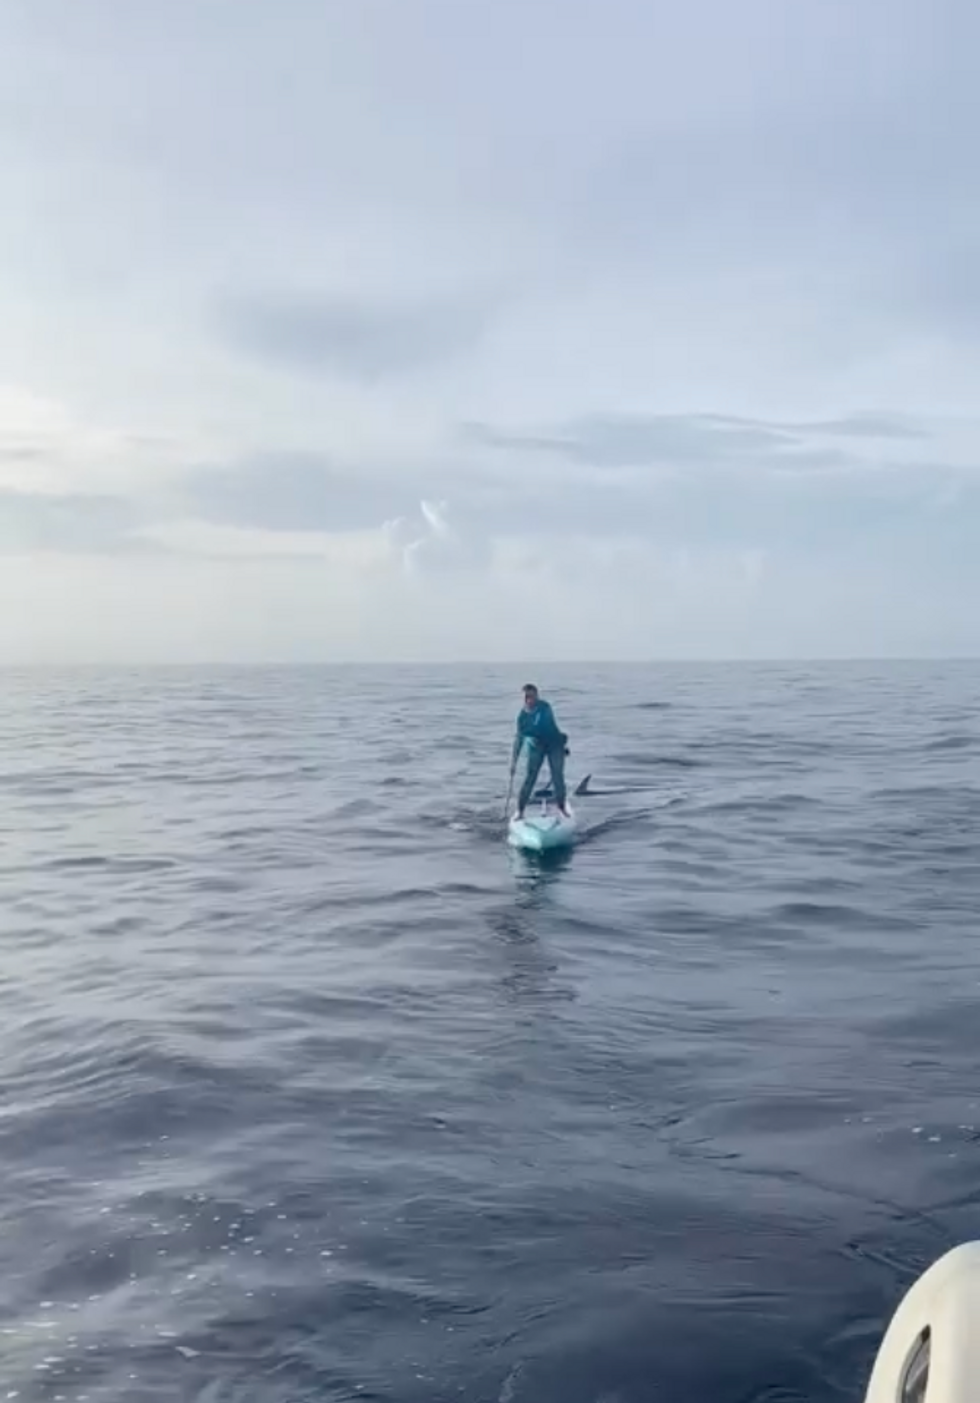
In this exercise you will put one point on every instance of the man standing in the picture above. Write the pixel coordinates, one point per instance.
(537, 731)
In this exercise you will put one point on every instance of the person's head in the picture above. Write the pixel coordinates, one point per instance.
(530, 696)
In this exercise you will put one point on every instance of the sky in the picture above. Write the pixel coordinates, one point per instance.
(488, 329)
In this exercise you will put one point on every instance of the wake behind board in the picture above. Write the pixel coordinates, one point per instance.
(542, 831)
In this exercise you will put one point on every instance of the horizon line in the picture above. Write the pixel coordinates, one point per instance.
(259, 664)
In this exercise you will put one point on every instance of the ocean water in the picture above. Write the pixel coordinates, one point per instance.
(311, 1089)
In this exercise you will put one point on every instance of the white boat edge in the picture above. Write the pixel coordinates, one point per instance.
(930, 1352)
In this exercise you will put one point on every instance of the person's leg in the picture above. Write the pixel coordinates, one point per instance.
(556, 764)
(535, 759)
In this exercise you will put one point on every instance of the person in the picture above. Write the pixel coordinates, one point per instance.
(538, 733)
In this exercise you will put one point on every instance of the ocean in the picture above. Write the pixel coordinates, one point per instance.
(311, 1089)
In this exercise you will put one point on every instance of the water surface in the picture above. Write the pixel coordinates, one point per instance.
(311, 1089)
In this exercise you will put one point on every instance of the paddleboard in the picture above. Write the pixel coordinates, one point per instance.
(540, 832)
(931, 1350)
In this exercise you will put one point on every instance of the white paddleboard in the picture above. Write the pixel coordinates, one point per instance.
(542, 830)
(931, 1349)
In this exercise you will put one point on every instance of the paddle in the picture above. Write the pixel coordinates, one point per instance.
(510, 791)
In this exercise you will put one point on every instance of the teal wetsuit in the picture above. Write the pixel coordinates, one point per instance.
(538, 733)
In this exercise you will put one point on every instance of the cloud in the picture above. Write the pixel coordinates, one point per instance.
(706, 312)
(659, 574)
(627, 440)
(49, 450)
(193, 539)
(308, 500)
(434, 544)
(879, 426)
(638, 440)
(288, 490)
(359, 340)
(67, 524)
(423, 543)
(707, 481)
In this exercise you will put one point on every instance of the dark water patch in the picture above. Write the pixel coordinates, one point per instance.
(371, 922)
(636, 822)
(243, 833)
(636, 759)
(944, 796)
(954, 741)
(359, 808)
(824, 913)
(486, 825)
(809, 885)
(114, 865)
(397, 756)
(932, 1027)
(770, 806)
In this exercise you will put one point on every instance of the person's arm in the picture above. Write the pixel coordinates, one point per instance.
(550, 725)
(557, 735)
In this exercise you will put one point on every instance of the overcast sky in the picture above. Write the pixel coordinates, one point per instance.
(488, 328)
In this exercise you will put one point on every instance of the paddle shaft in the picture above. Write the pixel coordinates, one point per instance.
(510, 790)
